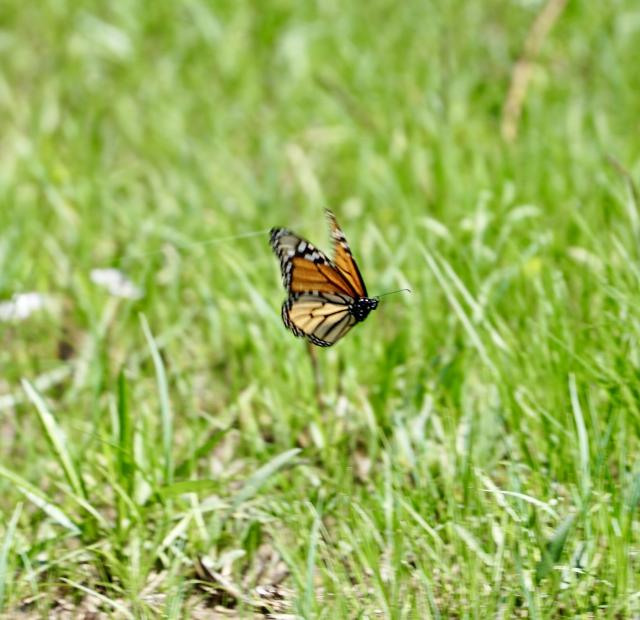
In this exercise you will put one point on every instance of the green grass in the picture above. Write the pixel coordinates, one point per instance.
(478, 456)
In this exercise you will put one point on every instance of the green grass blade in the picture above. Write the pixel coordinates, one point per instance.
(583, 439)
(309, 594)
(473, 334)
(201, 451)
(165, 405)
(85, 505)
(56, 439)
(125, 436)
(38, 498)
(121, 609)
(553, 551)
(4, 551)
(260, 477)
(188, 486)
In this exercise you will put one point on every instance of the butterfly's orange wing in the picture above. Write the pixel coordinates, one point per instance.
(343, 259)
(305, 268)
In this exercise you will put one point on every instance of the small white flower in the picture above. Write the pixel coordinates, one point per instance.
(116, 283)
(22, 305)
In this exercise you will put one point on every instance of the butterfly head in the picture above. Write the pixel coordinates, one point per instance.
(362, 307)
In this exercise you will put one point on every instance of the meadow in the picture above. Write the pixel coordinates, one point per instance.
(166, 449)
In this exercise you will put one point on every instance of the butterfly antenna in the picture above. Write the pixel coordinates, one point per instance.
(400, 290)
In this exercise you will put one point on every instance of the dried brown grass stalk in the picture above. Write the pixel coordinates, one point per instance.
(512, 109)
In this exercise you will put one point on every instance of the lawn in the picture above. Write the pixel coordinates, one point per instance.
(470, 451)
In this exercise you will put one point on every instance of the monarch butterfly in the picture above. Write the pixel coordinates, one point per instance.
(327, 297)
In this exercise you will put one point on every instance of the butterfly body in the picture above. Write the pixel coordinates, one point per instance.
(361, 308)
(326, 297)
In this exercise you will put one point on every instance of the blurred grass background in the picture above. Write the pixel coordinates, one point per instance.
(479, 453)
